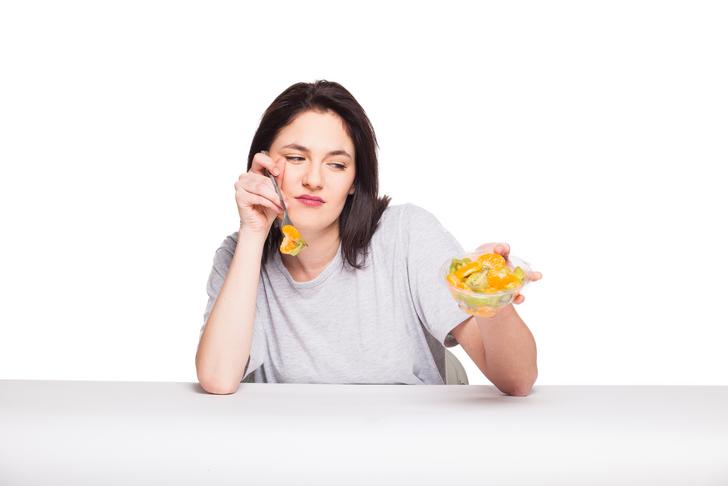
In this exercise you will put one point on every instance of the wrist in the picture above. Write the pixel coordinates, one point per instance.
(245, 233)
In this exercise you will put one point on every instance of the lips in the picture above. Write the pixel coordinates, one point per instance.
(310, 198)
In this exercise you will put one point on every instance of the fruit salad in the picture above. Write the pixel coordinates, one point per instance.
(292, 242)
(481, 284)
(488, 273)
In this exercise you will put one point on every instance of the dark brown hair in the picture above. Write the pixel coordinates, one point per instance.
(361, 213)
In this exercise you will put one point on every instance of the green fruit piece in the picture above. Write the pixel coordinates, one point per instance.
(476, 302)
(519, 274)
(297, 249)
(478, 281)
(456, 263)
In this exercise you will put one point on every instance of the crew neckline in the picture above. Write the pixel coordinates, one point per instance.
(320, 278)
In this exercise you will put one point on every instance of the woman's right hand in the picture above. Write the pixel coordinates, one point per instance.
(257, 200)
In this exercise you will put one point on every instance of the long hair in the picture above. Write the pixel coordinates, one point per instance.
(362, 210)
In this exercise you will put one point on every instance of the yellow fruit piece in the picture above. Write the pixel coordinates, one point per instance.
(291, 232)
(292, 242)
(501, 279)
(466, 270)
(492, 260)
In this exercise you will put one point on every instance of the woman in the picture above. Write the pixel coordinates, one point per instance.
(361, 303)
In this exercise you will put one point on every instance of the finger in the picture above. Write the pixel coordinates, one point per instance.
(281, 168)
(261, 201)
(245, 198)
(277, 197)
(535, 275)
(260, 186)
(519, 299)
(261, 161)
(486, 248)
(278, 166)
(263, 186)
(275, 167)
(503, 248)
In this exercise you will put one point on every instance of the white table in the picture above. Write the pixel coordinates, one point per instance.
(108, 433)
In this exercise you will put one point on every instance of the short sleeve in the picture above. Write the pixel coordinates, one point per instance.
(220, 265)
(429, 245)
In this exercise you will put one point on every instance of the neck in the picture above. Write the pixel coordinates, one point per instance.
(312, 259)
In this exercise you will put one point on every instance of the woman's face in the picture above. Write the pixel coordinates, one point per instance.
(319, 162)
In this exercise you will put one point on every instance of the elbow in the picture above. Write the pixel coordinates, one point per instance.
(520, 392)
(522, 389)
(217, 388)
(210, 380)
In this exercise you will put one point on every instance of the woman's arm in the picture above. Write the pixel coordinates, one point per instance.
(513, 371)
(224, 347)
(510, 351)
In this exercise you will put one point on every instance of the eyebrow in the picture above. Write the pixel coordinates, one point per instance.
(304, 149)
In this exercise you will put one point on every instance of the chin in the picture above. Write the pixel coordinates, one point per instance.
(312, 222)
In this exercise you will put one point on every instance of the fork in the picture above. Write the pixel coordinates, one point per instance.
(286, 219)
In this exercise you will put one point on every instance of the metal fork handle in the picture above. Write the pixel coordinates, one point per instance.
(275, 184)
(278, 191)
(286, 219)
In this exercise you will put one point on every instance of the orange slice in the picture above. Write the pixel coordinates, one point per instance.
(492, 260)
(292, 242)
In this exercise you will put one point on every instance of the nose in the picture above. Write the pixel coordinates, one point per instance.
(312, 178)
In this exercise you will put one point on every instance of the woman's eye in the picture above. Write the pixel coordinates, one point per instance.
(296, 158)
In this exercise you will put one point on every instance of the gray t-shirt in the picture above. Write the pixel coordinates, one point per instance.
(386, 323)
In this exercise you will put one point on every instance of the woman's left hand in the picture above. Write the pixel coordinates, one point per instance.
(504, 249)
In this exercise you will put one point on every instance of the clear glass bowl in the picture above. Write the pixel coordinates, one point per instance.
(482, 303)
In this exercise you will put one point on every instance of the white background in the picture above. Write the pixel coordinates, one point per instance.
(590, 136)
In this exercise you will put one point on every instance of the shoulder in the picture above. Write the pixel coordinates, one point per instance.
(404, 214)
(406, 223)
(416, 218)
(396, 221)
(225, 252)
(415, 212)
